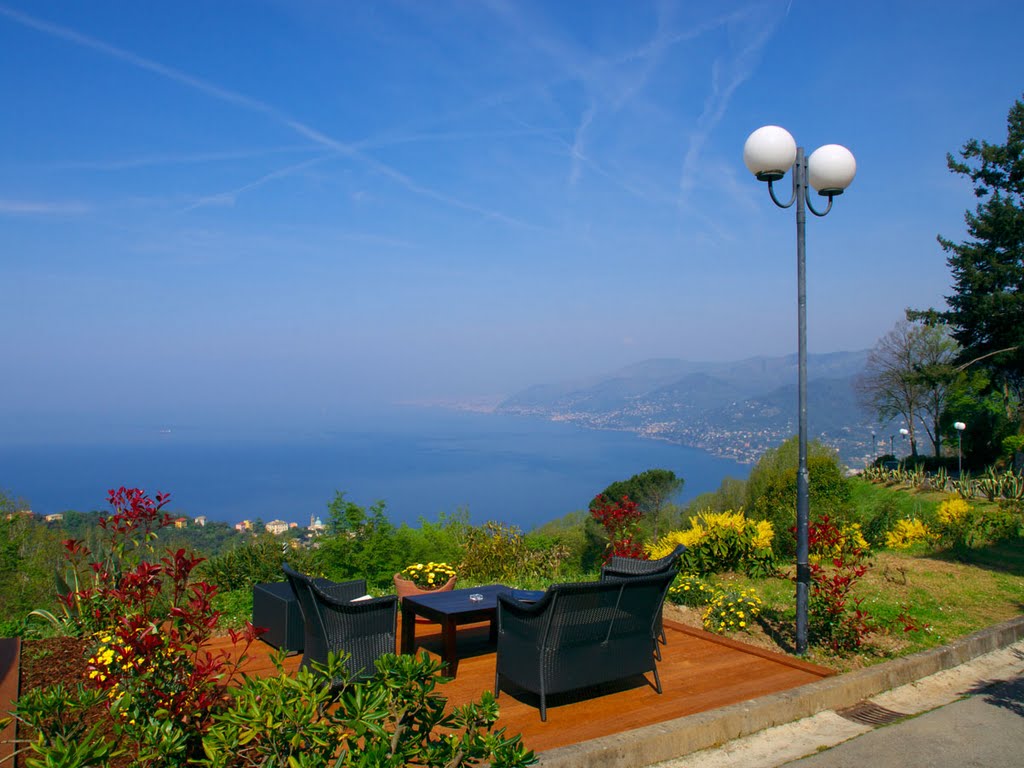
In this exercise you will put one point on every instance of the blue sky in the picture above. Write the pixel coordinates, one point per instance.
(286, 209)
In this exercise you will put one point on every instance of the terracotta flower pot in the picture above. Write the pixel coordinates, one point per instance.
(404, 588)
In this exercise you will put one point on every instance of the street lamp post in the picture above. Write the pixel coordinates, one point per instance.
(769, 153)
(892, 449)
(874, 446)
(904, 431)
(959, 426)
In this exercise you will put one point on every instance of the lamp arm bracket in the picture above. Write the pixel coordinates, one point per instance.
(819, 214)
(771, 191)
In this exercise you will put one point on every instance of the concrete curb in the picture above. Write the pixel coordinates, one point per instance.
(673, 739)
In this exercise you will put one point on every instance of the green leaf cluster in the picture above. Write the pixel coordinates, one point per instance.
(396, 718)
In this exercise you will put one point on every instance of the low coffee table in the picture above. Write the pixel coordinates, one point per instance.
(449, 609)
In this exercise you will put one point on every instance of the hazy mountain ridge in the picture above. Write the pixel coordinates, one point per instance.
(733, 409)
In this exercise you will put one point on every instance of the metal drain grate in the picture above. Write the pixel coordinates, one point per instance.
(869, 713)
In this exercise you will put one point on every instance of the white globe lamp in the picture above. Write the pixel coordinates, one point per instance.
(830, 169)
(769, 152)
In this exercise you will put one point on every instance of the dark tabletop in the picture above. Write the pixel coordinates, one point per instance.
(456, 601)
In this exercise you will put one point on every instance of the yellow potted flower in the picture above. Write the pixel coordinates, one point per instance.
(420, 578)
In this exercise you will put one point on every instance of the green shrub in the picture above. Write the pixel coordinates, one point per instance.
(395, 719)
(1012, 445)
(58, 729)
(255, 560)
(392, 720)
(881, 521)
(963, 526)
(771, 490)
(500, 553)
(443, 540)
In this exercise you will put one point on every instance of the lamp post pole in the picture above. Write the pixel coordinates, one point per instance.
(769, 153)
(892, 449)
(959, 426)
(803, 502)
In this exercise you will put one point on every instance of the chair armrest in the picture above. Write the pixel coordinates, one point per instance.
(343, 590)
(344, 602)
(523, 620)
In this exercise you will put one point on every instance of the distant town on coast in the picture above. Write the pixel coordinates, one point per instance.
(734, 410)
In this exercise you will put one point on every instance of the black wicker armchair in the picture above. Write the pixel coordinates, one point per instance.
(631, 567)
(579, 635)
(365, 629)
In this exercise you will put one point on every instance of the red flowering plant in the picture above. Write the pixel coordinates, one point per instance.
(838, 563)
(150, 624)
(621, 523)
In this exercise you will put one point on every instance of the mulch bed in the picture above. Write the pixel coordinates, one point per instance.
(51, 661)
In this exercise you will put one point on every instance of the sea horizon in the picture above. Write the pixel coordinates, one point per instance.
(421, 461)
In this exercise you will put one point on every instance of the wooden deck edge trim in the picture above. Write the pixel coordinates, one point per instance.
(753, 650)
(10, 680)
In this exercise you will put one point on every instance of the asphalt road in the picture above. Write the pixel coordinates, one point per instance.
(986, 729)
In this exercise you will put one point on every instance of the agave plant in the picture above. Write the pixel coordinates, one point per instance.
(873, 473)
(963, 486)
(990, 484)
(1012, 486)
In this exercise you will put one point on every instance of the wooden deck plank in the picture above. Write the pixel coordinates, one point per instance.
(699, 671)
(10, 654)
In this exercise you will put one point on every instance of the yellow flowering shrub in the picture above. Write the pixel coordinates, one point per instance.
(721, 541)
(664, 546)
(764, 534)
(906, 533)
(953, 511)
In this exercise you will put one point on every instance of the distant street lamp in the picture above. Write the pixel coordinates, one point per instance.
(874, 445)
(904, 431)
(769, 153)
(959, 426)
(892, 450)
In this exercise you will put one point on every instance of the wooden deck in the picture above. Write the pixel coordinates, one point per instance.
(699, 671)
(10, 656)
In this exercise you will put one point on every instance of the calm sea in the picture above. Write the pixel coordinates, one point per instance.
(419, 461)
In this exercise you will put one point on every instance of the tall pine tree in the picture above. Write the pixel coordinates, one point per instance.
(986, 310)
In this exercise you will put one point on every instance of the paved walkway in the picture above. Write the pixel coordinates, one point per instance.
(970, 715)
(985, 729)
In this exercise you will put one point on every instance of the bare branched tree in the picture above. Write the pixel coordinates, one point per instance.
(909, 374)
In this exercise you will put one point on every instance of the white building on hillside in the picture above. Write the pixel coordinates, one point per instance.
(277, 527)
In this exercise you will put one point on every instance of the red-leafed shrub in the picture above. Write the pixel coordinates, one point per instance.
(838, 562)
(147, 625)
(621, 521)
